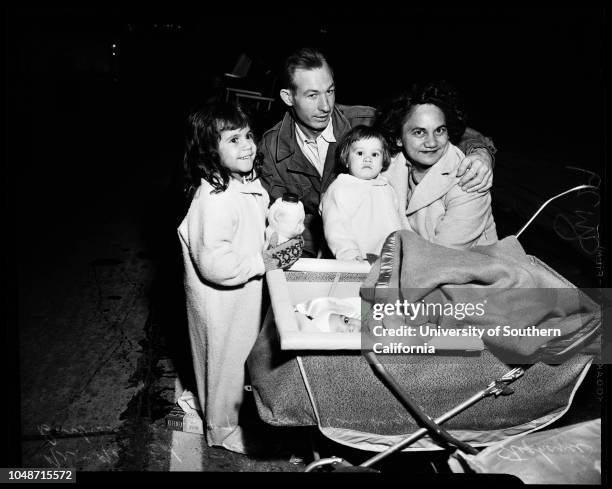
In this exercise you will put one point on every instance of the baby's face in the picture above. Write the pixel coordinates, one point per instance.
(339, 323)
(365, 158)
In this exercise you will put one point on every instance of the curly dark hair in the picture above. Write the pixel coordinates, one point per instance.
(390, 117)
(201, 159)
(358, 133)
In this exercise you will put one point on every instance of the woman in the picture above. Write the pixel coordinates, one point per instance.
(420, 126)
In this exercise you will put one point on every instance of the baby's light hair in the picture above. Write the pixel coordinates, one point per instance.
(359, 133)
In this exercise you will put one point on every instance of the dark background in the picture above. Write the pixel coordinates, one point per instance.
(533, 78)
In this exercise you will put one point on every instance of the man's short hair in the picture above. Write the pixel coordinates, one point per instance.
(306, 58)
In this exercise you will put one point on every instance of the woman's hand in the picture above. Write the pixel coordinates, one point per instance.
(476, 171)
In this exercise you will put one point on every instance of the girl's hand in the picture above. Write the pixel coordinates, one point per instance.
(273, 240)
(283, 255)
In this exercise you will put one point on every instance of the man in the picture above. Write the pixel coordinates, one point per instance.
(299, 152)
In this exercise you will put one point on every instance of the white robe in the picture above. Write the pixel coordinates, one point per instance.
(222, 238)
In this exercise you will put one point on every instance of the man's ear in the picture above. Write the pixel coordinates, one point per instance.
(286, 96)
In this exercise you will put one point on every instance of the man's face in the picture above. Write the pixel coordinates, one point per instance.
(313, 99)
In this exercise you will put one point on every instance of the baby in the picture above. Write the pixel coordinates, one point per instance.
(331, 315)
(360, 209)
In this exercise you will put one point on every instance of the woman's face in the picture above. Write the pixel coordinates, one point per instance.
(424, 135)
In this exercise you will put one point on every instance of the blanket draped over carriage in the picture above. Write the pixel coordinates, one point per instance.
(337, 390)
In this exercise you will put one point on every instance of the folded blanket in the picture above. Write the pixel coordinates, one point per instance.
(524, 311)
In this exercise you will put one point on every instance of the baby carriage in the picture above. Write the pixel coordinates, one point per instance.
(330, 381)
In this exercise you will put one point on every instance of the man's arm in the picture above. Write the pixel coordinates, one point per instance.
(476, 169)
(472, 140)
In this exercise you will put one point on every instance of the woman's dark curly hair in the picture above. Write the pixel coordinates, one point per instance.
(201, 160)
(392, 115)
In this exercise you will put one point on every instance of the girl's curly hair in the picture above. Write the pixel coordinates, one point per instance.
(201, 159)
(390, 117)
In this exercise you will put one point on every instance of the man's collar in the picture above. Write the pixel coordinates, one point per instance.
(327, 134)
(285, 145)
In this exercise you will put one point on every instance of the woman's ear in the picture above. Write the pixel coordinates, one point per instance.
(287, 97)
(399, 142)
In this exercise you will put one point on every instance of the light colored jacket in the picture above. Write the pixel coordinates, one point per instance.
(438, 210)
(358, 215)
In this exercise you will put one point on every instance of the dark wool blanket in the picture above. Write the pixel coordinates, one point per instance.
(526, 311)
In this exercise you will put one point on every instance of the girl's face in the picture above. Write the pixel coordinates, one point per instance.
(365, 158)
(237, 151)
(424, 135)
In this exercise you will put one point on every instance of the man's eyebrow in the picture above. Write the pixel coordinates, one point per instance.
(312, 90)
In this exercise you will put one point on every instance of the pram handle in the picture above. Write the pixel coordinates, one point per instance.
(579, 187)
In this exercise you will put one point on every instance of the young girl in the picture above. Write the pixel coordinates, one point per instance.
(419, 126)
(360, 209)
(222, 239)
